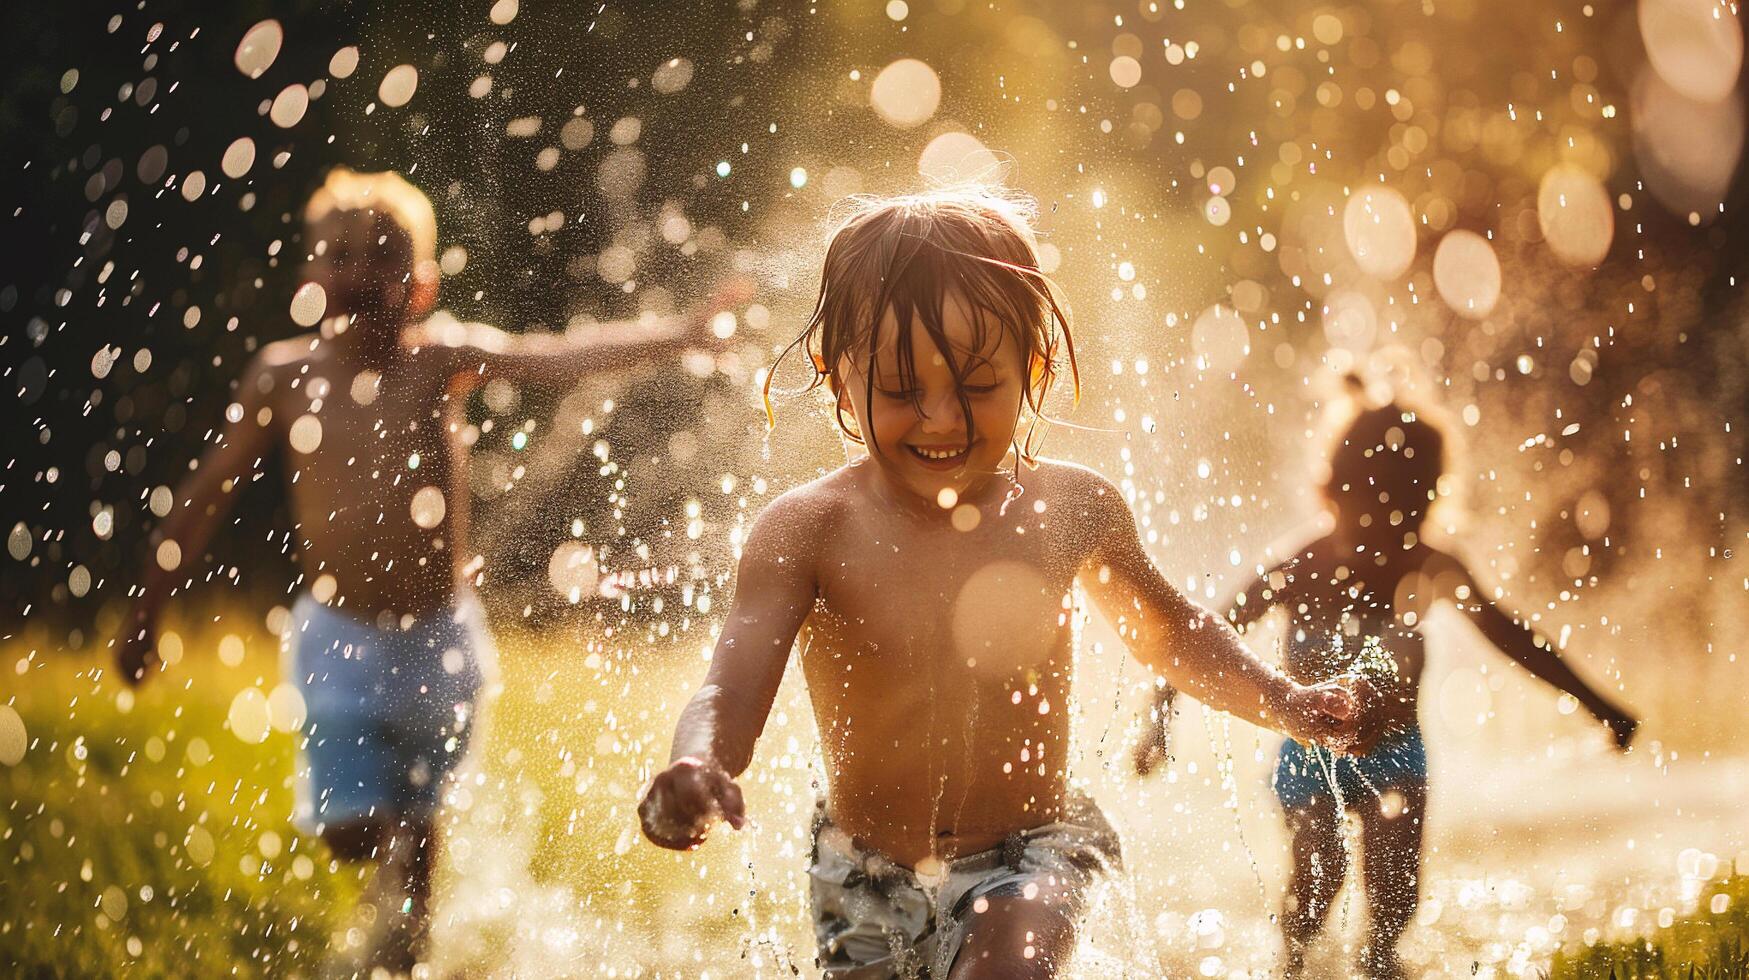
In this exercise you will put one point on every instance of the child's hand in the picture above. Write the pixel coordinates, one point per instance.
(135, 646)
(698, 326)
(685, 800)
(1326, 714)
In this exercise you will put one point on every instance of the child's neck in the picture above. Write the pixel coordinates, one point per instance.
(982, 490)
(370, 337)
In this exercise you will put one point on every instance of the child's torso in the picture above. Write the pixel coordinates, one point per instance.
(372, 482)
(1354, 616)
(938, 662)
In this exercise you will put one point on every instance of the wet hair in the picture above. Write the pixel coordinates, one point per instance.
(386, 193)
(907, 254)
(1390, 450)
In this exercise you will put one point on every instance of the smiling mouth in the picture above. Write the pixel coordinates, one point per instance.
(937, 457)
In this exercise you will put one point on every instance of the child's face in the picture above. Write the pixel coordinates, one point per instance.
(362, 260)
(918, 434)
(1367, 522)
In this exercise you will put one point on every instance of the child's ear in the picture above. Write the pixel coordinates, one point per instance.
(830, 378)
(1036, 371)
(422, 289)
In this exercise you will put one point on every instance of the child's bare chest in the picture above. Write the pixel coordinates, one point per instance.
(997, 591)
(344, 419)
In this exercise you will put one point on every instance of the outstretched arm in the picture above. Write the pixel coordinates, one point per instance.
(1243, 608)
(713, 741)
(484, 352)
(1538, 655)
(1196, 651)
(199, 506)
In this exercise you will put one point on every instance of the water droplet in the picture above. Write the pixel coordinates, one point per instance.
(1380, 230)
(13, 737)
(308, 304)
(344, 62)
(398, 86)
(906, 93)
(289, 106)
(428, 507)
(306, 434)
(258, 48)
(238, 158)
(1126, 71)
(1575, 214)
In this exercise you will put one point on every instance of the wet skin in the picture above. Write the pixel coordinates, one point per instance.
(1355, 583)
(386, 392)
(938, 658)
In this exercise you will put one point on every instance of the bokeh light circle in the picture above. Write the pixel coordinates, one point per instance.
(1577, 218)
(306, 434)
(428, 507)
(1350, 321)
(249, 717)
(906, 93)
(344, 62)
(1380, 231)
(308, 304)
(1467, 273)
(398, 86)
(13, 737)
(955, 156)
(994, 631)
(289, 106)
(1219, 338)
(258, 48)
(1695, 45)
(1687, 150)
(1126, 71)
(238, 158)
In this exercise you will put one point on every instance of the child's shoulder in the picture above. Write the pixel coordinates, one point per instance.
(280, 360)
(1061, 482)
(290, 353)
(812, 507)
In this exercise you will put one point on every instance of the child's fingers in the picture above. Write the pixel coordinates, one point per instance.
(734, 807)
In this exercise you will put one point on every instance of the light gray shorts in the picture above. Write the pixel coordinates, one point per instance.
(876, 919)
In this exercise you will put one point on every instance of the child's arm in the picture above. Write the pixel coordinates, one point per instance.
(199, 506)
(1196, 651)
(1243, 608)
(713, 740)
(1538, 655)
(481, 351)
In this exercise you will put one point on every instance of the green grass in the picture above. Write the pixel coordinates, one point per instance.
(140, 835)
(1707, 945)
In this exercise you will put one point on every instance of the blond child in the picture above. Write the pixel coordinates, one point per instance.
(387, 643)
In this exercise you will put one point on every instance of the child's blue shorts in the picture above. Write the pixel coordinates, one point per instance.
(389, 712)
(1398, 761)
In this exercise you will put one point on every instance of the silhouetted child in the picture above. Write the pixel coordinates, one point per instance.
(1356, 600)
(930, 583)
(387, 643)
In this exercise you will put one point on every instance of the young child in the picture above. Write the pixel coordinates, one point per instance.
(387, 643)
(931, 585)
(1356, 600)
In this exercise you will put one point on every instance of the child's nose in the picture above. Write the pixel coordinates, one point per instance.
(941, 413)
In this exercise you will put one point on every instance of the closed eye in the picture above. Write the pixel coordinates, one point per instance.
(898, 394)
